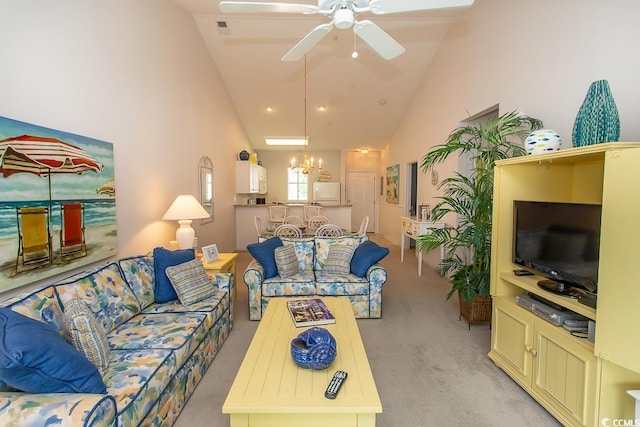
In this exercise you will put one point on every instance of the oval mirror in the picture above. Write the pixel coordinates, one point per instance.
(205, 168)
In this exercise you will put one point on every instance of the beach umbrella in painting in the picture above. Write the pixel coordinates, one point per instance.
(43, 157)
(108, 188)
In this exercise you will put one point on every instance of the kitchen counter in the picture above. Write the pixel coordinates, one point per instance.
(299, 205)
(339, 214)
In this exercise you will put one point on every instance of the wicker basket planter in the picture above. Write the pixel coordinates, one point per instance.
(479, 310)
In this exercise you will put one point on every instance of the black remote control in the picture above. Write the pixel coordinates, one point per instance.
(522, 273)
(335, 384)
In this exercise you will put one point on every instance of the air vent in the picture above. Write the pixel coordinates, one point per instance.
(222, 24)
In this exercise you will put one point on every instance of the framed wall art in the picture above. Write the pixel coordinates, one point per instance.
(392, 184)
(57, 202)
(210, 253)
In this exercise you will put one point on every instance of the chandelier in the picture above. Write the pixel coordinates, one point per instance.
(307, 165)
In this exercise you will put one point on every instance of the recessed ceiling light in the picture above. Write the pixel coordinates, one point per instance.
(286, 140)
(322, 108)
(269, 109)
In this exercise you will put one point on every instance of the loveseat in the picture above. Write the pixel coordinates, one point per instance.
(362, 282)
(157, 351)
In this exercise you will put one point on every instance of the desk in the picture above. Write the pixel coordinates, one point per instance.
(271, 390)
(411, 228)
(226, 264)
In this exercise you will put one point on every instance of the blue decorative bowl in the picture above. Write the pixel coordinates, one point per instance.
(314, 348)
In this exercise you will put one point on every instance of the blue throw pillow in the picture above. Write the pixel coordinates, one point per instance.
(365, 255)
(34, 358)
(163, 258)
(264, 253)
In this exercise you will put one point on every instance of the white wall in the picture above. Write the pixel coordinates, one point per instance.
(136, 74)
(536, 57)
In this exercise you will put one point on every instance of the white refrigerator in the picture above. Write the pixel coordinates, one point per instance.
(326, 192)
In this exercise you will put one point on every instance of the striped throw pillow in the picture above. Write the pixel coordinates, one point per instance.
(286, 261)
(190, 281)
(85, 334)
(338, 260)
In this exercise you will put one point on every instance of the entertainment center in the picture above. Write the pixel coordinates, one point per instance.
(579, 382)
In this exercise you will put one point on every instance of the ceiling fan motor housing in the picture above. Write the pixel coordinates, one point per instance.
(343, 18)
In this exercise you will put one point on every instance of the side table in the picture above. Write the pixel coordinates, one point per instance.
(226, 264)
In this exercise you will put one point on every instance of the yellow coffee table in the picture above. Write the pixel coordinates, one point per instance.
(270, 390)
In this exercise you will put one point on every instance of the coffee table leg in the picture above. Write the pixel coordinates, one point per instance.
(239, 420)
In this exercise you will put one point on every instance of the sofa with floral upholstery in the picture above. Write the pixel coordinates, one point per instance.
(355, 273)
(155, 353)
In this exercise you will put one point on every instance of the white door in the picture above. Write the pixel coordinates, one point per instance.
(361, 195)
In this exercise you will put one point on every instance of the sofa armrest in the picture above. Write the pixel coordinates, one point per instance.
(68, 409)
(224, 282)
(253, 278)
(377, 276)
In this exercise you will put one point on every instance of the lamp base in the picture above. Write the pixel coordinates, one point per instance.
(185, 235)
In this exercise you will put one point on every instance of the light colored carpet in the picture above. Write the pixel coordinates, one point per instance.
(430, 369)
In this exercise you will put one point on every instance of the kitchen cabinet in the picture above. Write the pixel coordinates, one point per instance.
(251, 178)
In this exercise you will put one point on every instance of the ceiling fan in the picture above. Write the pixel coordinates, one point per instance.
(342, 14)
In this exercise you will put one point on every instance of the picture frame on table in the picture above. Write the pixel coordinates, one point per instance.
(210, 253)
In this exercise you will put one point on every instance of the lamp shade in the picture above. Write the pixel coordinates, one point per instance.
(185, 206)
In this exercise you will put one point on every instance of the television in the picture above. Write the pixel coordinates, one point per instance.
(558, 240)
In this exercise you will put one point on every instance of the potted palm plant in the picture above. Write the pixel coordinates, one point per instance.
(467, 244)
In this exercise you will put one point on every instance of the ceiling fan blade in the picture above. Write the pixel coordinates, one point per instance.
(308, 42)
(264, 7)
(382, 43)
(381, 7)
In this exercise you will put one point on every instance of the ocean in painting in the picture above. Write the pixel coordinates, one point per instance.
(96, 212)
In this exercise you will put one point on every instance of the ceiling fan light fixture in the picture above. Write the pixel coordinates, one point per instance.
(343, 18)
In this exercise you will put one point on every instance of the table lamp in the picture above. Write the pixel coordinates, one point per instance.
(184, 209)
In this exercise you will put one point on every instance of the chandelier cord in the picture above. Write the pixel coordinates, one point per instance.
(306, 137)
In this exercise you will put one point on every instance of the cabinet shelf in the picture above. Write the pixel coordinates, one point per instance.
(530, 284)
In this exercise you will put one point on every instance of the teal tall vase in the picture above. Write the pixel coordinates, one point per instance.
(597, 120)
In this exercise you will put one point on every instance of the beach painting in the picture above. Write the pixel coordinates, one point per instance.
(392, 184)
(57, 202)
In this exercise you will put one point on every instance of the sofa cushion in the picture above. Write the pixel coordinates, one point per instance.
(137, 378)
(324, 243)
(106, 293)
(139, 274)
(163, 258)
(348, 284)
(302, 283)
(286, 260)
(34, 358)
(264, 254)
(42, 305)
(180, 332)
(190, 281)
(305, 251)
(85, 334)
(338, 260)
(366, 254)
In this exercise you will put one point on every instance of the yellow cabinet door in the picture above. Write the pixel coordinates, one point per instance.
(565, 373)
(512, 339)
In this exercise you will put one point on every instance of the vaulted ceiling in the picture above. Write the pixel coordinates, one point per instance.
(365, 98)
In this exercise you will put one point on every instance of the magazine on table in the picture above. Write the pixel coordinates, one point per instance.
(309, 312)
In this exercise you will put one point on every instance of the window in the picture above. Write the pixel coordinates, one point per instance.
(297, 187)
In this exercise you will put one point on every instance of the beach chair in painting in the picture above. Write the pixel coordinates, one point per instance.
(72, 239)
(34, 239)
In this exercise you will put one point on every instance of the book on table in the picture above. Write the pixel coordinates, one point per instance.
(309, 312)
